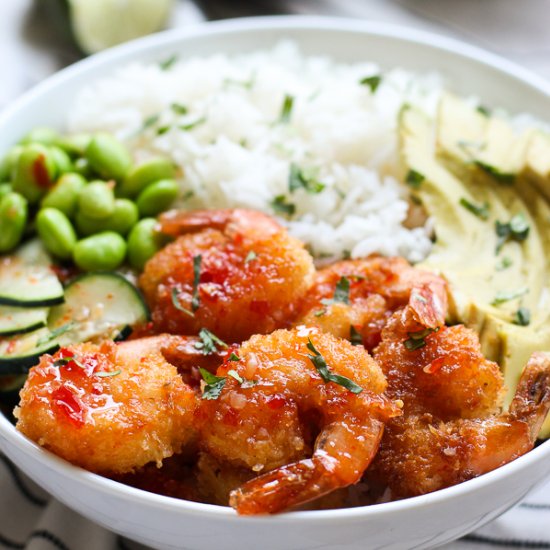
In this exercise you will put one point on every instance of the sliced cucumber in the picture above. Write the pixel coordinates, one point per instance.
(33, 252)
(17, 320)
(19, 353)
(28, 285)
(98, 305)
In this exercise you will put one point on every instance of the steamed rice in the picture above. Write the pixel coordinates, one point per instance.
(222, 120)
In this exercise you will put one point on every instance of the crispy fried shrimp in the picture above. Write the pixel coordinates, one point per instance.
(357, 297)
(109, 408)
(420, 454)
(437, 369)
(233, 272)
(286, 409)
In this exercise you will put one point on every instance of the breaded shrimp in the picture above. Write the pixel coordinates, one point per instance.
(233, 272)
(421, 454)
(109, 408)
(301, 405)
(357, 297)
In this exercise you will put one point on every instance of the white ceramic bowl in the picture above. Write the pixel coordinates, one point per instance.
(161, 522)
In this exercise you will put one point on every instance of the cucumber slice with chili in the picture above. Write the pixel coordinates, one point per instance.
(18, 320)
(98, 305)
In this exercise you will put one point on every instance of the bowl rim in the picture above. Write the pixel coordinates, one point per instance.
(132, 50)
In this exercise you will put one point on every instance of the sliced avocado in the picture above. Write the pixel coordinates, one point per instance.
(486, 292)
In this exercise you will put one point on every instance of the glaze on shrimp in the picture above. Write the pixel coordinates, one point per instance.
(110, 408)
(279, 417)
(233, 272)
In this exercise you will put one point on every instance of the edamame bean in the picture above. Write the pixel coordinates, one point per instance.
(82, 166)
(35, 172)
(143, 243)
(146, 173)
(5, 188)
(121, 221)
(108, 157)
(157, 197)
(13, 218)
(42, 134)
(56, 232)
(62, 160)
(7, 166)
(103, 251)
(74, 145)
(64, 194)
(97, 200)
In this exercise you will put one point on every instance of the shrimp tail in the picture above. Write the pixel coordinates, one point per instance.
(337, 462)
(531, 403)
(429, 303)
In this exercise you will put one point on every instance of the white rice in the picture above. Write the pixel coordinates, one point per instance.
(239, 153)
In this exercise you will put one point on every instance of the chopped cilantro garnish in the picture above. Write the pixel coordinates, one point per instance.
(322, 368)
(522, 317)
(191, 125)
(503, 264)
(286, 109)
(209, 342)
(214, 384)
(236, 376)
(302, 179)
(108, 374)
(320, 312)
(251, 256)
(234, 357)
(516, 229)
(150, 121)
(485, 111)
(196, 299)
(417, 340)
(341, 293)
(502, 177)
(162, 130)
(355, 336)
(280, 205)
(55, 333)
(372, 82)
(481, 211)
(414, 178)
(66, 360)
(176, 303)
(503, 296)
(168, 62)
(179, 109)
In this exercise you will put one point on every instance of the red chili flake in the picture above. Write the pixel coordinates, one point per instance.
(435, 365)
(276, 402)
(66, 403)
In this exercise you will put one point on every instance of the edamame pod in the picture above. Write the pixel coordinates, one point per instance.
(103, 251)
(108, 157)
(35, 172)
(64, 194)
(97, 200)
(143, 243)
(13, 217)
(56, 232)
(82, 167)
(144, 174)
(157, 197)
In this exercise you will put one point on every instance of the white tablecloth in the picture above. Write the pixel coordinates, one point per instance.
(30, 50)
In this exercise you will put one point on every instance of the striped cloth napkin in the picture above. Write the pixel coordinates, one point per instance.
(31, 520)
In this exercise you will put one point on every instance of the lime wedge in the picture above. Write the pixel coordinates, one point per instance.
(100, 24)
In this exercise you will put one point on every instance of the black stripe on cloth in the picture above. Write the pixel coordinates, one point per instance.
(534, 506)
(19, 483)
(54, 540)
(8, 543)
(506, 543)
